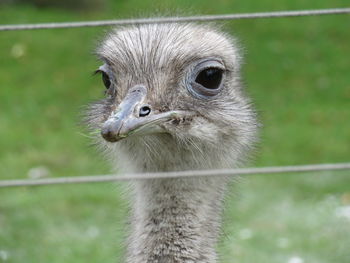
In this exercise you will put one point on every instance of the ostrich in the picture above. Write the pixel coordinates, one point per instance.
(173, 102)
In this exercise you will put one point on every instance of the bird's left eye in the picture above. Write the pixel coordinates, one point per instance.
(210, 78)
(206, 79)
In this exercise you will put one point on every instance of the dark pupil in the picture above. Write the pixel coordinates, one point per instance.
(210, 78)
(106, 80)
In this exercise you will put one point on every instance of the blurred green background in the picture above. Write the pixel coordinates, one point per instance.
(297, 72)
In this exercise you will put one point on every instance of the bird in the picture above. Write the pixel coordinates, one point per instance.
(174, 101)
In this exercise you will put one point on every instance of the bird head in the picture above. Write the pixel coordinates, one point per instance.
(175, 83)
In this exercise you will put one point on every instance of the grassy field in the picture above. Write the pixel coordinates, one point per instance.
(297, 72)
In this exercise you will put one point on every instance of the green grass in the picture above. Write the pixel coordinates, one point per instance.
(297, 72)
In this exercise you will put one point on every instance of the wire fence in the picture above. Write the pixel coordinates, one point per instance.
(201, 18)
(177, 174)
(180, 174)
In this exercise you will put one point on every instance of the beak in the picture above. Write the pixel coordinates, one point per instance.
(128, 119)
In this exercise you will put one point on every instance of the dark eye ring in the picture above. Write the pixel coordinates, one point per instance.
(206, 79)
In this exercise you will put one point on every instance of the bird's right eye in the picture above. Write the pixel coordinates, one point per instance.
(106, 74)
(106, 80)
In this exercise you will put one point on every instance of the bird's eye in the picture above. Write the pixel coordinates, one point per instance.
(105, 71)
(206, 79)
(106, 80)
(210, 78)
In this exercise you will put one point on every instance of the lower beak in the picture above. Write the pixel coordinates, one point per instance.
(126, 120)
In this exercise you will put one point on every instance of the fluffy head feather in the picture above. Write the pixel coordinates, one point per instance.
(163, 58)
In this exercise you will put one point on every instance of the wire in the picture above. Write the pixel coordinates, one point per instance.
(332, 11)
(180, 174)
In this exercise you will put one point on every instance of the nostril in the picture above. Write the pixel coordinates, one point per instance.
(144, 111)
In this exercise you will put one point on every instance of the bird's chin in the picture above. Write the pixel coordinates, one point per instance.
(141, 126)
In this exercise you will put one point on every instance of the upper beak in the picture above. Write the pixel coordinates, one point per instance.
(127, 120)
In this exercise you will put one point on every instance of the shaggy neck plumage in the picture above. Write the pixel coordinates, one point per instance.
(175, 220)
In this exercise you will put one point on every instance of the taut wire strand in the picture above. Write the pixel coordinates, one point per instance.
(331, 11)
(180, 174)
